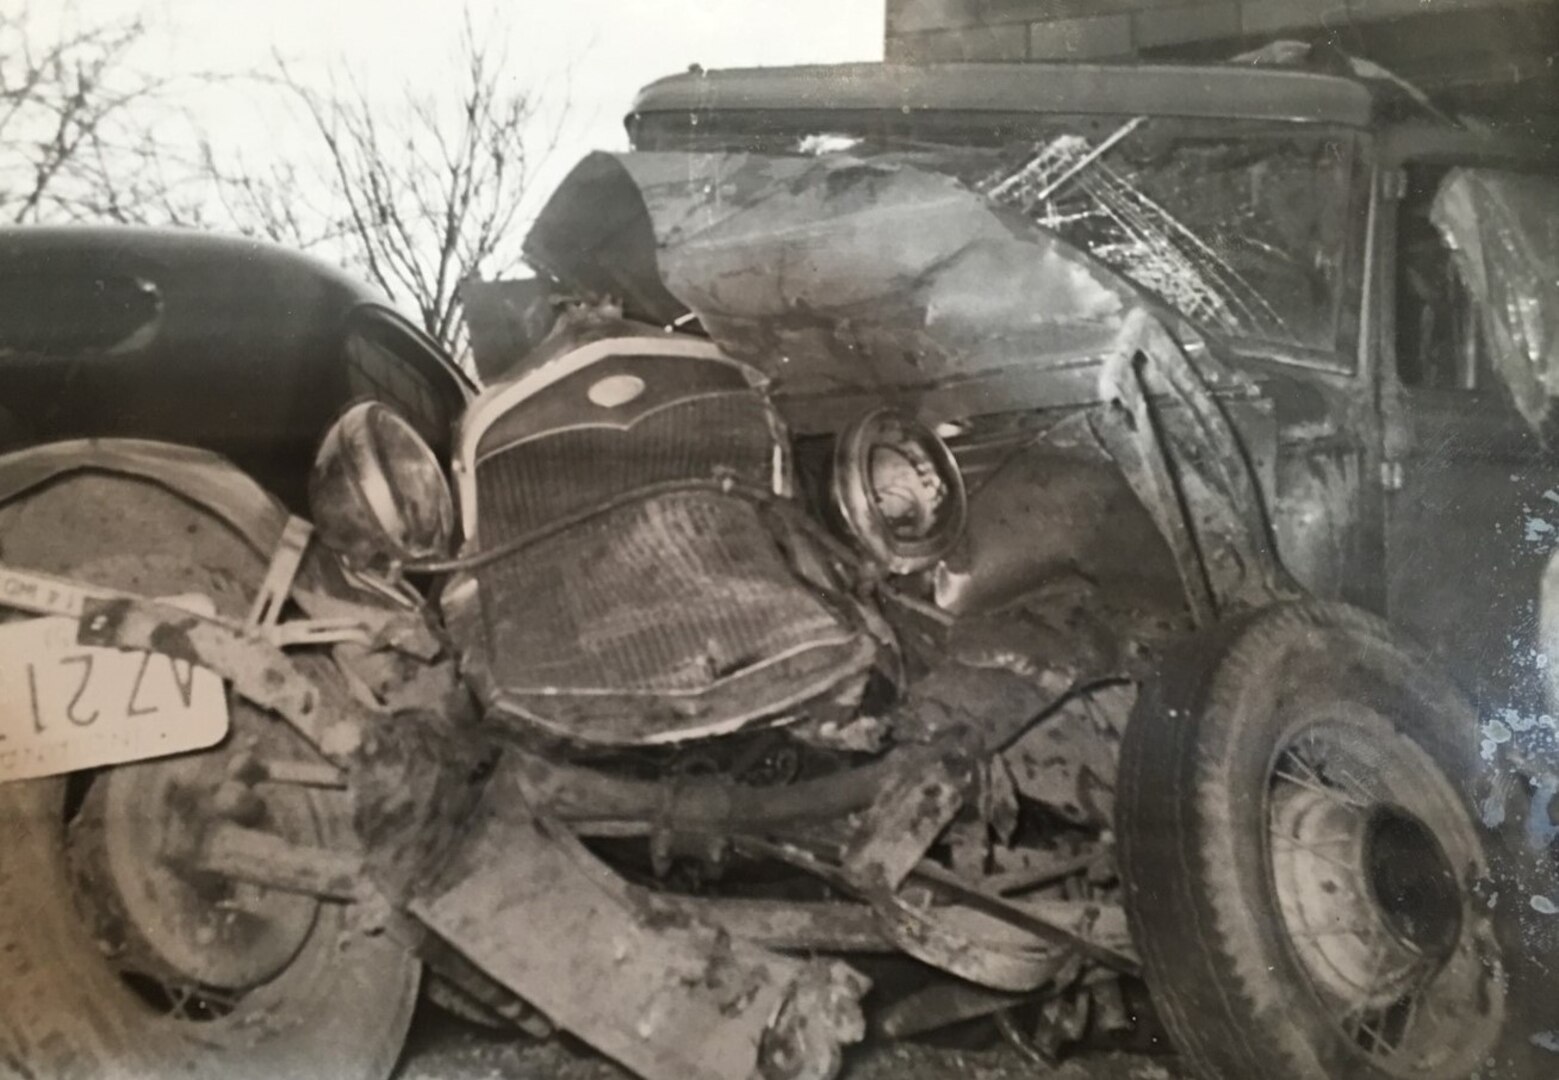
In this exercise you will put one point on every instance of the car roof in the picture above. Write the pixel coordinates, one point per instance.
(1224, 91)
(175, 251)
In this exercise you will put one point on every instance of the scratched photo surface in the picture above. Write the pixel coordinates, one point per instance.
(856, 540)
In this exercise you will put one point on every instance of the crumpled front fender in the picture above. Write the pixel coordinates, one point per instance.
(204, 478)
(219, 487)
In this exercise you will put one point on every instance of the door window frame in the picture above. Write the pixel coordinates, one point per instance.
(1487, 402)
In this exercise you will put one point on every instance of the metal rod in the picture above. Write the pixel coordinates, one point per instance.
(262, 858)
(787, 926)
(314, 774)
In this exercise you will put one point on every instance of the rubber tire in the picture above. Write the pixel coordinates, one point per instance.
(340, 1011)
(1190, 821)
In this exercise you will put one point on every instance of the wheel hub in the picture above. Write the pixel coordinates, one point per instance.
(1412, 883)
(1371, 852)
(1368, 894)
(156, 918)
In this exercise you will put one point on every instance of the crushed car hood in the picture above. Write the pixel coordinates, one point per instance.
(832, 274)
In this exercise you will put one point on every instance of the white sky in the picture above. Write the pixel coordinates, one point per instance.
(592, 54)
(597, 52)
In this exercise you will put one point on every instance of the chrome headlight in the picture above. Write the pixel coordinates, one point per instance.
(898, 490)
(377, 493)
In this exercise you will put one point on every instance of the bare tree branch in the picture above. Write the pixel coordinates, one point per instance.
(66, 99)
(427, 186)
(420, 187)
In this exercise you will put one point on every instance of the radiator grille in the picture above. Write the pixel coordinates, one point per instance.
(551, 477)
(669, 612)
(667, 595)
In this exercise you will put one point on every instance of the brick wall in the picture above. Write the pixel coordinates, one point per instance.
(932, 30)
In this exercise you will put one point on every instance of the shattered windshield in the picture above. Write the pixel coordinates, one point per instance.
(1243, 228)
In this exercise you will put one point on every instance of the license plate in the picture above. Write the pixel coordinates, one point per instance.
(65, 706)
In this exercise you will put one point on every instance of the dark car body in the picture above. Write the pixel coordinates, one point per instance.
(223, 343)
(1407, 491)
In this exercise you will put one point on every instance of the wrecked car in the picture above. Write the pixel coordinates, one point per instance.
(905, 567)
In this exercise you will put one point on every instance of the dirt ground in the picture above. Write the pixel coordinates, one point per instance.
(445, 1049)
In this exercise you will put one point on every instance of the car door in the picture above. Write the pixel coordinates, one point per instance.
(1472, 489)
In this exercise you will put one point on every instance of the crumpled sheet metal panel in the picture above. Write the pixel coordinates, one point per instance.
(835, 273)
(669, 997)
(1504, 231)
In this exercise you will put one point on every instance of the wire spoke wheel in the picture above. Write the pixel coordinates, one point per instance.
(1303, 871)
(1365, 834)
